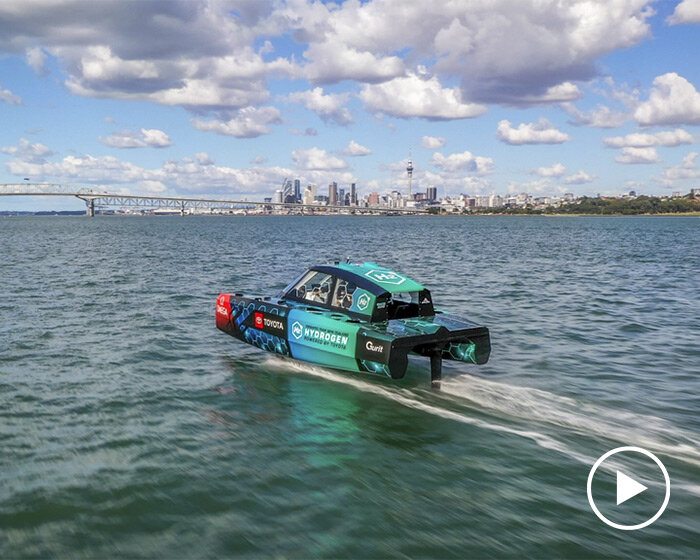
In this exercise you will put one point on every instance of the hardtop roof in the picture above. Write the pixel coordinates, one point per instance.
(382, 277)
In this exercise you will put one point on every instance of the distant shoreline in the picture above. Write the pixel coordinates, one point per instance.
(69, 213)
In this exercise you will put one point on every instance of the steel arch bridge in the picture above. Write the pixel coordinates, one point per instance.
(95, 198)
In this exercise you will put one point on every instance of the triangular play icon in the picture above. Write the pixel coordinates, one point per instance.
(627, 488)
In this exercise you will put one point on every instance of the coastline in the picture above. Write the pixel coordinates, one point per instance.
(62, 214)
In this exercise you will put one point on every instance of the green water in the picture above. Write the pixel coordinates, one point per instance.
(131, 427)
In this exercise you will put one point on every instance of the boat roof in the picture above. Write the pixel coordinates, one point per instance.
(385, 279)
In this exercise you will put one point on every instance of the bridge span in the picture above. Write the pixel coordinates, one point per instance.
(95, 199)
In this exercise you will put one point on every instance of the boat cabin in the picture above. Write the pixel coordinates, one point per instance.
(364, 291)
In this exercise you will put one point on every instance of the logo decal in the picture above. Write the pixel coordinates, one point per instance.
(273, 324)
(363, 302)
(373, 349)
(326, 337)
(258, 320)
(297, 330)
(385, 276)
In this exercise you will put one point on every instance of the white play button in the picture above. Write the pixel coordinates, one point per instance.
(627, 488)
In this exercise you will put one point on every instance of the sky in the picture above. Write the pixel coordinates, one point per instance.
(229, 98)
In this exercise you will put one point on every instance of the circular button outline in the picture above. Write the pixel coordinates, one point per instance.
(614, 452)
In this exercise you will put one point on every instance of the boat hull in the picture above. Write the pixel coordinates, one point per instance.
(339, 341)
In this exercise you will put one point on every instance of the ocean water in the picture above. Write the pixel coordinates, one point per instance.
(131, 427)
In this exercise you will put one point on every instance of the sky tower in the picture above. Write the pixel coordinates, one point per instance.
(409, 170)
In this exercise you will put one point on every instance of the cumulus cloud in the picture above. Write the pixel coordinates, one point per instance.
(580, 178)
(688, 11)
(673, 100)
(600, 117)
(224, 83)
(559, 170)
(155, 138)
(688, 169)
(540, 186)
(305, 132)
(203, 158)
(87, 168)
(542, 132)
(36, 58)
(188, 175)
(416, 96)
(333, 62)
(27, 152)
(545, 47)
(548, 46)
(433, 142)
(465, 161)
(8, 97)
(556, 170)
(195, 53)
(355, 149)
(668, 138)
(214, 55)
(327, 106)
(249, 122)
(317, 159)
(561, 93)
(449, 182)
(146, 137)
(638, 155)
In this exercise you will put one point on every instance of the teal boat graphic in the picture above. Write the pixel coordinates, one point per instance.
(354, 317)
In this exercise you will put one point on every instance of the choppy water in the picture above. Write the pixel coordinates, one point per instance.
(130, 426)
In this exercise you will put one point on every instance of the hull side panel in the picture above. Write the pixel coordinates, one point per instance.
(319, 338)
(259, 323)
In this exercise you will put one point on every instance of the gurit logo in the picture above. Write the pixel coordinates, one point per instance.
(297, 330)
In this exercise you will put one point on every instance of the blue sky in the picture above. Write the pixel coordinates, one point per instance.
(229, 98)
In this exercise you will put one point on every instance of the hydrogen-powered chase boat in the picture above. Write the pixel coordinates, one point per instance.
(355, 317)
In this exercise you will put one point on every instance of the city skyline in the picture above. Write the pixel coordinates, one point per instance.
(230, 99)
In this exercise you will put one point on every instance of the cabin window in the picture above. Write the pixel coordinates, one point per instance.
(344, 294)
(314, 287)
(405, 305)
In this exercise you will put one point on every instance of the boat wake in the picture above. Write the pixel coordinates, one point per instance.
(523, 411)
(583, 418)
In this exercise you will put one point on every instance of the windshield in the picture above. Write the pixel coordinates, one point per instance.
(314, 287)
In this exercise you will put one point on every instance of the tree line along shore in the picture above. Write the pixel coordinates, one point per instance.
(608, 207)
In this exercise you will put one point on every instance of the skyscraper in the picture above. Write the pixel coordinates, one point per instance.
(288, 191)
(297, 190)
(341, 197)
(333, 194)
(431, 193)
(353, 194)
